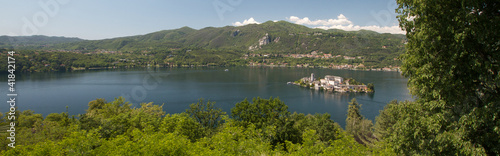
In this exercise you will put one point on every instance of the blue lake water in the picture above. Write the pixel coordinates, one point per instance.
(176, 88)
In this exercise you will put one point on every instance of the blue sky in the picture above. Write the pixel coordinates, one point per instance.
(92, 19)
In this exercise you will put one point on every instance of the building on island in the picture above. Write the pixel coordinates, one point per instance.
(334, 80)
(331, 83)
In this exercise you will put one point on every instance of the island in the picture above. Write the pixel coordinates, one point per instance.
(334, 84)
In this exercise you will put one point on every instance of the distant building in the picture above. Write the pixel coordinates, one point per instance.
(332, 83)
(336, 79)
(323, 81)
(349, 58)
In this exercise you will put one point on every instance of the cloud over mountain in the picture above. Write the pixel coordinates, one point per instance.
(342, 22)
(246, 22)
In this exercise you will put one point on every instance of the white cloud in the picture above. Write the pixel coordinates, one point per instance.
(379, 29)
(341, 20)
(344, 24)
(245, 22)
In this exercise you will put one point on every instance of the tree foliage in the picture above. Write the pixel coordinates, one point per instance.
(371, 87)
(357, 125)
(452, 62)
(206, 114)
(260, 112)
(325, 128)
(115, 128)
(386, 119)
(354, 117)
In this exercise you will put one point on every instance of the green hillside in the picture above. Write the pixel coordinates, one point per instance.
(283, 37)
(33, 41)
(222, 46)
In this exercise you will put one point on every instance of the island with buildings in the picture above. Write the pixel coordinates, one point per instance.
(334, 84)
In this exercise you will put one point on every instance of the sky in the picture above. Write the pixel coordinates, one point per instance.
(93, 19)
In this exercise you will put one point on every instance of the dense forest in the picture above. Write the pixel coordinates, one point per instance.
(451, 60)
(257, 127)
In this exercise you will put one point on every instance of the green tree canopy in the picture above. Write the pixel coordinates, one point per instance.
(354, 117)
(386, 119)
(206, 114)
(1, 118)
(28, 118)
(260, 112)
(452, 62)
(113, 128)
(357, 125)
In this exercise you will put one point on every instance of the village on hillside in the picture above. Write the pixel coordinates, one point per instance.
(334, 83)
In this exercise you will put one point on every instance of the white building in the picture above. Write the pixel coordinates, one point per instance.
(333, 83)
(323, 81)
(334, 80)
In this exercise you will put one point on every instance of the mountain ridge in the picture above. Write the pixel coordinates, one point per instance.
(283, 37)
(286, 42)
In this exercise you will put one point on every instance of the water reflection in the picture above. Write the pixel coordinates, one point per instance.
(51, 92)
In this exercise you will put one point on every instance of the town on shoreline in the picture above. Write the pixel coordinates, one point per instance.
(334, 84)
(267, 60)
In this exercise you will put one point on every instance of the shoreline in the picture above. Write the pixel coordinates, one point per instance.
(395, 69)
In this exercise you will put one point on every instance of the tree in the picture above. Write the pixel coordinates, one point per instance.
(325, 127)
(96, 104)
(61, 118)
(266, 114)
(354, 117)
(182, 124)
(148, 116)
(28, 118)
(452, 62)
(206, 114)
(386, 119)
(1, 118)
(371, 87)
(357, 125)
(117, 117)
(261, 112)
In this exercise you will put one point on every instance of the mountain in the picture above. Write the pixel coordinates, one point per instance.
(33, 41)
(269, 37)
(227, 45)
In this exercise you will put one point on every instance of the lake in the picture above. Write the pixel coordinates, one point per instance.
(176, 88)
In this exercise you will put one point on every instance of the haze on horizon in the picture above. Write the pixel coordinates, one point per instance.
(94, 19)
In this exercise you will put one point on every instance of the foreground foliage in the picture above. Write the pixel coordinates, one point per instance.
(357, 125)
(453, 68)
(263, 127)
